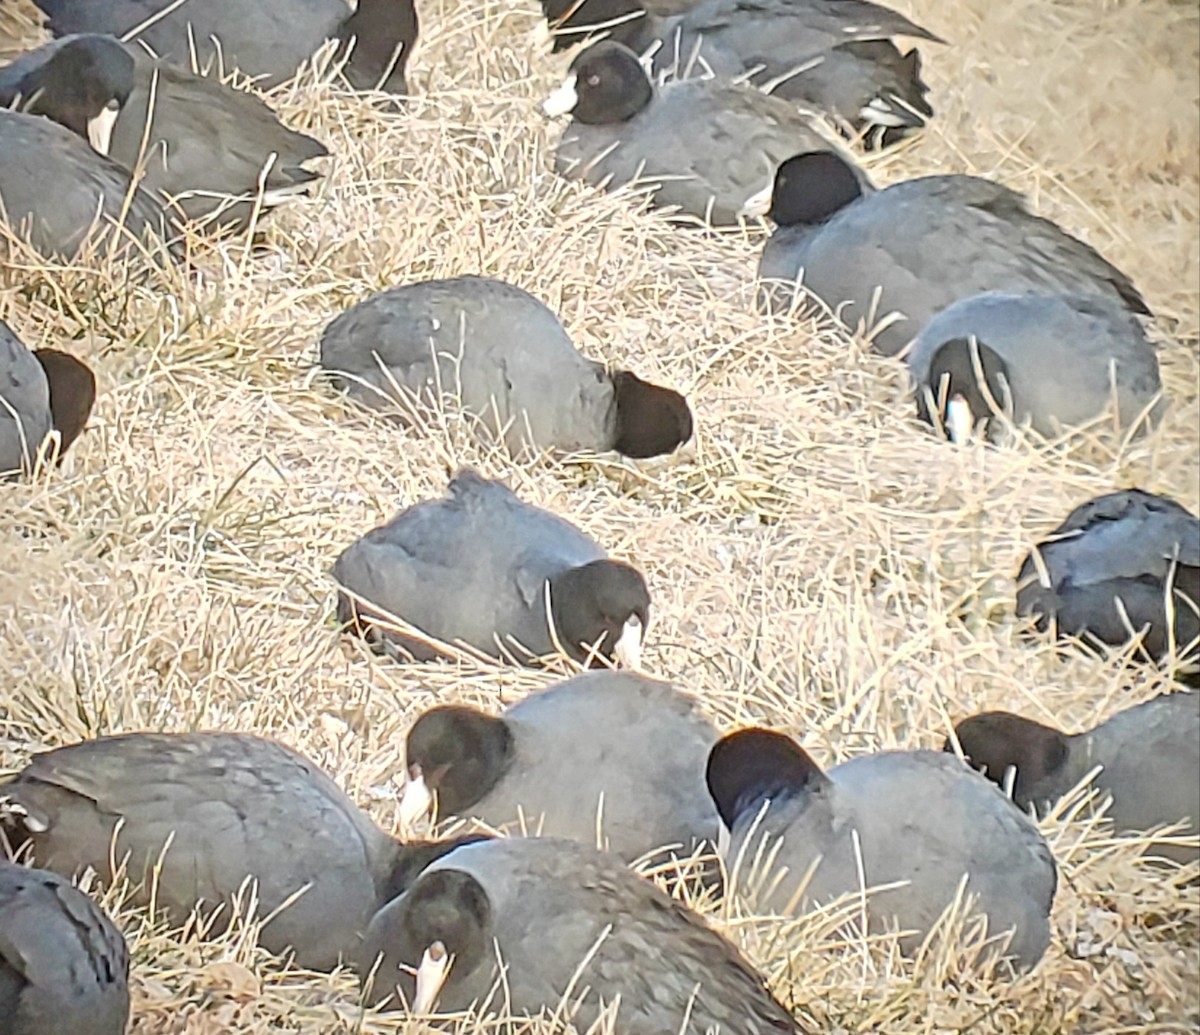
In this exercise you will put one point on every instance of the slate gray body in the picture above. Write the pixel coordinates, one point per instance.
(208, 143)
(921, 818)
(1120, 546)
(856, 73)
(553, 902)
(52, 180)
(608, 751)
(237, 806)
(492, 346)
(713, 145)
(64, 967)
(266, 41)
(1064, 355)
(24, 403)
(927, 243)
(471, 566)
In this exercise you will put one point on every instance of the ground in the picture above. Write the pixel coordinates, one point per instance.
(818, 561)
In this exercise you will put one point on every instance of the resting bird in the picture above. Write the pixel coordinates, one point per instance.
(914, 825)
(199, 815)
(567, 922)
(1047, 361)
(708, 147)
(210, 149)
(612, 756)
(503, 356)
(1121, 564)
(58, 194)
(479, 566)
(1148, 758)
(922, 244)
(64, 967)
(266, 41)
(39, 392)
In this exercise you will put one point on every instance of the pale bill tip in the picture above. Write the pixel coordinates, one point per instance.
(628, 649)
(415, 802)
(759, 203)
(562, 100)
(431, 976)
(100, 128)
(959, 420)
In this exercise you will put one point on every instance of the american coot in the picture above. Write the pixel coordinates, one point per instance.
(506, 358)
(39, 391)
(1149, 760)
(57, 193)
(1104, 574)
(266, 41)
(631, 22)
(1051, 361)
(199, 814)
(919, 819)
(569, 923)
(64, 966)
(709, 146)
(209, 145)
(478, 565)
(608, 754)
(924, 244)
(833, 55)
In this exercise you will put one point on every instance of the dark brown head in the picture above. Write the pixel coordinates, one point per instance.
(459, 753)
(811, 188)
(72, 393)
(605, 84)
(995, 742)
(604, 603)
(651, 420)
(80, 80)
(384, 33)
(447, 910)
(750, 766)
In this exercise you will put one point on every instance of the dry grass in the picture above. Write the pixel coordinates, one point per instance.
(817, 561)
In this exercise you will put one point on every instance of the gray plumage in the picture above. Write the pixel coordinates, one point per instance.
(833, 55)
(208, 144)
(608, 753)
(232, 807)
(708, 145)
(550, 905)
(53, 187)
(266, 41)
(495, 349)
(24, 404)
(1148, 757)
(1063, 356)
(1121, 547)
(927, 243)
(920, 818)
(470, 567)
(64, 967)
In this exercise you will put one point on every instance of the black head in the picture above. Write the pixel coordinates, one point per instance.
(610, 84)
(462, 754)
(952, 374)
(651, 420)
(384, 33)
(446, 906)
(81, 78)
(812, 187)
(413, 858)
(750, 765)
(72, 393)
(995, 741)
(595, 603)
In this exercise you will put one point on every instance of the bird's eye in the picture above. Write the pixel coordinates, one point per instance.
(593, 80)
